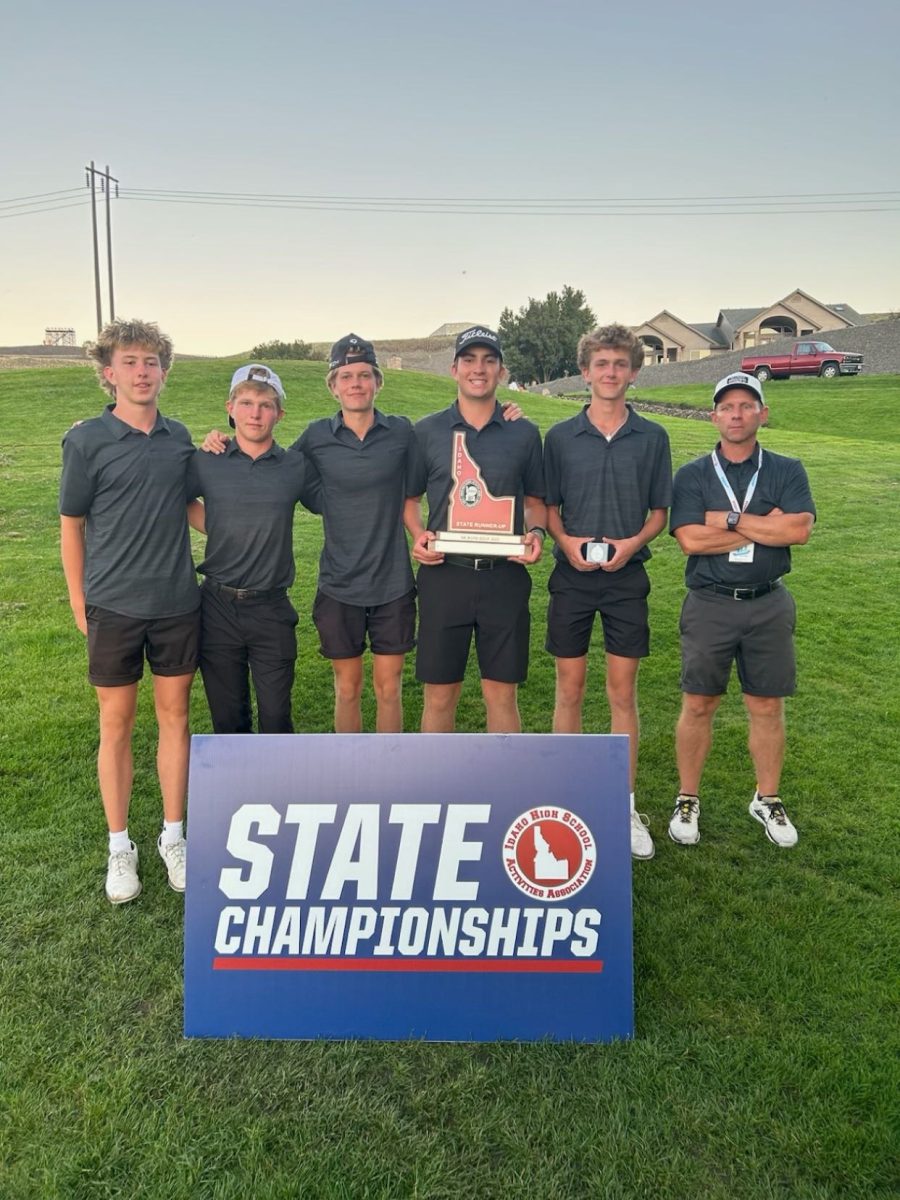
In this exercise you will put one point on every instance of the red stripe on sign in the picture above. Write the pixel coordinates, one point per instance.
(563, 966)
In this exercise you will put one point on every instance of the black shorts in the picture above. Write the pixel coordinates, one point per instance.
(620, 597)
(757, 635)
(117, 645)
(343, 627)
(454, 603)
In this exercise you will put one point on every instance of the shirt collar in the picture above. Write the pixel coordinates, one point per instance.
(630, 424)
(458, 419)
(120, 429)
(337, 421)
(275, 451)
(753, 458)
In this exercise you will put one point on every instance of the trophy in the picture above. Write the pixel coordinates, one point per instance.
(478, 523)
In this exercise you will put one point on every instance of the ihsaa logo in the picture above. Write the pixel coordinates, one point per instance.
(549, 853)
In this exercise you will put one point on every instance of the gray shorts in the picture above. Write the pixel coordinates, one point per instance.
(757, 635)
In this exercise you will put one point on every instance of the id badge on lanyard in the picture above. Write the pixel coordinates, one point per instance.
(743, 554)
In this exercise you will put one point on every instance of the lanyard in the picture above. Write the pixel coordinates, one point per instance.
(729, 491)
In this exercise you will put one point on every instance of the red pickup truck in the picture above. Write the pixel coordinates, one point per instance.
(805, 358)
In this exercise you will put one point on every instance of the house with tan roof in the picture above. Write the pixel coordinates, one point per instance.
(668, 338)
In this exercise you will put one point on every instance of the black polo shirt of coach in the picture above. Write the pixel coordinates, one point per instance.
(605, 488)
(365, 483)
(782, 483)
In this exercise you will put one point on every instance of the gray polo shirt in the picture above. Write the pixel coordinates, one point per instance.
(130, 486)
(364, 485)
(606, 488)
(782, 484)
(508, 454)
(250, 514)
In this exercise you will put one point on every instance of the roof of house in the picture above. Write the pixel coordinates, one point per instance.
(740, 316)
(712, 331)
(848, 313)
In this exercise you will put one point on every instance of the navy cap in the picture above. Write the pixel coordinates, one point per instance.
(351, 349)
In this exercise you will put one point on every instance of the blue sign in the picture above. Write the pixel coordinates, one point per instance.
(463, 887)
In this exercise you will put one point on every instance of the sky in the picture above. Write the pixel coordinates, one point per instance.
(467, 115)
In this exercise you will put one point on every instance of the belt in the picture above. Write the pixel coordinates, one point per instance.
(245, 593)
(474, 564)
(748, 593)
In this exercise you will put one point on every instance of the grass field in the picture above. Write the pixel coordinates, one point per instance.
(765, 1057)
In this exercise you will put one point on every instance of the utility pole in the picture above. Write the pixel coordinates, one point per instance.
(93, 173)
(105, 182)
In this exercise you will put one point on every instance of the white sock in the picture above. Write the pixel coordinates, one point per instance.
(172, 831)
(119, 842)
(631, 799)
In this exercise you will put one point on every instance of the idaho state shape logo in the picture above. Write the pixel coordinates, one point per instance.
(549, 853)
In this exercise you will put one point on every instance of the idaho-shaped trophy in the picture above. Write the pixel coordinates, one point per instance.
(478, 523)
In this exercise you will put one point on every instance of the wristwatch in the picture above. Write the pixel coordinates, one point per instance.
(538, 529)
(731, 521)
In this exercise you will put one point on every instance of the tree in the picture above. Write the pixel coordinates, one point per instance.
(298, 349)
(541, 340)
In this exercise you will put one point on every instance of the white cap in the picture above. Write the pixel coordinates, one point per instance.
(739, 380)
(257, 373)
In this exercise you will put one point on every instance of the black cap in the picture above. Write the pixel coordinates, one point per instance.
(478, 335)
(351, 349)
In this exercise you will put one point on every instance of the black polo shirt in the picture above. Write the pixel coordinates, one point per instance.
(508, 454)
(250, 514)
(605, 488)
(365, 483)
(782, 484)
(130, 487)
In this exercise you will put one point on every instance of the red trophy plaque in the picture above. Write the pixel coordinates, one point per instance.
(478, 523)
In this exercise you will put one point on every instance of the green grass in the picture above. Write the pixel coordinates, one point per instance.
(864, 407)
(765, 1058)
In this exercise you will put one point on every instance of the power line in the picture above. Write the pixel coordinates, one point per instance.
(37, 211)
(610, 210)
(755, 197)
(14, 200)
(758, 204)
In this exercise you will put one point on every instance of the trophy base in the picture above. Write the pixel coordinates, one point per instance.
(479, 545)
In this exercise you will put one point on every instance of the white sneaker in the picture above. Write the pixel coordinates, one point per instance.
(684, 827)
(174, 855)
(641, 841)
(769, 811)
(122, 883)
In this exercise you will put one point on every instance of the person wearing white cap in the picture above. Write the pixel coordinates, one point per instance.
(736, 512)
(248, 622)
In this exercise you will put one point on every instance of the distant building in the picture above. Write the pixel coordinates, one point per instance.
(59, 336)
(668, 338)
(452, 328)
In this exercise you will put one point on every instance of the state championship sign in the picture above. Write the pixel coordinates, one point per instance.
(467, 887)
